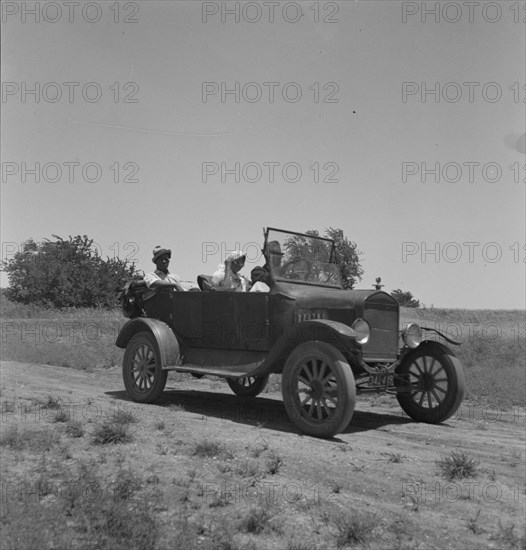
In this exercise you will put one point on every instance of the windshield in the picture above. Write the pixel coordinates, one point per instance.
(301, 258)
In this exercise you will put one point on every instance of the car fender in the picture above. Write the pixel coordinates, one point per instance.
(433, 344)
(340, 335)
(430, 346)
(163, 334)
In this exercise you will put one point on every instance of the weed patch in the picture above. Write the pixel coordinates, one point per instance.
(51, 403)
(274, 463)
(61, 416)
(32, 440)
(75, 429)
(259, 449)
(353, 528)
(458, 465)
(210, 449)
(396, 458)
(111, 432)
(248, 468)
(124, 417)
(256, 520)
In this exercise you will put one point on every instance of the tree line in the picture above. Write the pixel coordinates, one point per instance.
(65, 273)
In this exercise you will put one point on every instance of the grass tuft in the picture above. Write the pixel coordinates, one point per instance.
(472, 524)
(396, 458)
(125, 485)
(458, 465)
(51, 403)
(32, 440)
(111, 432)
(256, 520)
(75, 429)
(9, 406)
(260, 448)
(61, 416)
(274, 463)
(353, 528)
(124, 417)
(208, 448)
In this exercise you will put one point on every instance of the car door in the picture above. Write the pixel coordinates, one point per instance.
(235, 320)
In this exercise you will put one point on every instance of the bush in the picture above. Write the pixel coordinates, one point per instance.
(65, 273)
(405, 298)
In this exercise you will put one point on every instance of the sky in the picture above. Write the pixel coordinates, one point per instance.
(194, 125)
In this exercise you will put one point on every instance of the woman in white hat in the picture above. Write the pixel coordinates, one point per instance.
(227, 276)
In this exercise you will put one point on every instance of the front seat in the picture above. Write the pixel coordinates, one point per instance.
(205, 282)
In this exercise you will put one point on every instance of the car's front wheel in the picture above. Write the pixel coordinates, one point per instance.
(144, 378)
(248, 386)
(430, 383)
(318, 389)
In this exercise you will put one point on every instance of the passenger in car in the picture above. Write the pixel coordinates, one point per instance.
(227, 276)
(260, 275)
(161, 276)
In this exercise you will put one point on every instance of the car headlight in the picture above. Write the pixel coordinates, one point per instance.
(412, 335)
(362, 329)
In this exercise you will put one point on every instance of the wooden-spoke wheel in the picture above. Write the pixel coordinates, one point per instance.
(318, 389)
(430, 383)
(248, 386)
(142, 371)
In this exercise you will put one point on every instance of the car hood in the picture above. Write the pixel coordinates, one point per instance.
(309, 296)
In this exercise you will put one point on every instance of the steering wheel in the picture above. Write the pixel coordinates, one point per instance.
(294, 274)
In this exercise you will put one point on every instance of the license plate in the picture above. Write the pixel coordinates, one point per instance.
(380, 379)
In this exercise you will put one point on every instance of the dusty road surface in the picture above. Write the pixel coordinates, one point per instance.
(219, 471)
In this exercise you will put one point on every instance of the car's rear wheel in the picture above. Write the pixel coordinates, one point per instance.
(248, 386)
(430, 383)
(318, 389)
(144, 378)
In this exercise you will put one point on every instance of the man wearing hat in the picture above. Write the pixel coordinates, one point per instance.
(260, 275)
(161, 276)
(227, 276)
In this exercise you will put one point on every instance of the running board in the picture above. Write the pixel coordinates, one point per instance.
(219, 362)
(223, 372)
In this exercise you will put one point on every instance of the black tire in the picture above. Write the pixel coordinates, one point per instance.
(248, 386)
(436, 383)
(144, 378)
(318, 389)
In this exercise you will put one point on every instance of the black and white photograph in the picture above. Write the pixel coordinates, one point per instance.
(263, 275)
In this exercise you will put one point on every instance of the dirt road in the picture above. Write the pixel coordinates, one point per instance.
(382, 468)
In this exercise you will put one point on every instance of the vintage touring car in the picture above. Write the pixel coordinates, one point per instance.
(326, 342)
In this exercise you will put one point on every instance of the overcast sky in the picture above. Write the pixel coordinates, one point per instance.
(401, 125)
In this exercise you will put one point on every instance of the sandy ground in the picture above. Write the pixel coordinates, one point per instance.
(383, 463)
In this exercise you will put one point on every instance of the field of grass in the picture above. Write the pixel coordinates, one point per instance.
(76, 338)
(493, 349)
